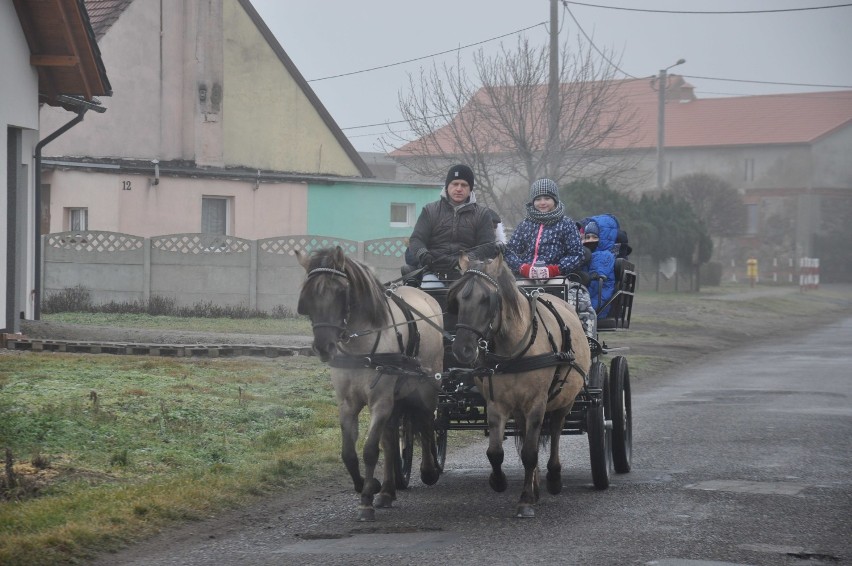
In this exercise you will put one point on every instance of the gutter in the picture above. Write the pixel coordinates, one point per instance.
(246, 175)
(82, 106)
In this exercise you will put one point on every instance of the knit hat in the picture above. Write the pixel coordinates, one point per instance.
(592, 230)
(459, 172)
(544, 187)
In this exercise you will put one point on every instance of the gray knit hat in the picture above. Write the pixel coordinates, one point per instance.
(544, 187)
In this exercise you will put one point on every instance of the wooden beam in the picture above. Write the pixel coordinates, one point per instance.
(54, 60)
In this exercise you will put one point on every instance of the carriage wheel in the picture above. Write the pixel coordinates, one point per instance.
(441, 445)
(622, 415)
(600, 437)
(406, 452)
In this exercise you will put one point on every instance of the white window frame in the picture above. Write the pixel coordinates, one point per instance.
(83, 212)
(409, 215)
(228, 212)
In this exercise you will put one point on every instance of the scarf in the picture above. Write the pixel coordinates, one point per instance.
(551, 217)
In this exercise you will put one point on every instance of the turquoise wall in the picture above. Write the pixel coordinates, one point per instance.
(361, 211)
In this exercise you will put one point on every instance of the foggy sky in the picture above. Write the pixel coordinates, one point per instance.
(330, 37)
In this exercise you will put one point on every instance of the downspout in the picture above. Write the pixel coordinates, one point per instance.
(38, 148)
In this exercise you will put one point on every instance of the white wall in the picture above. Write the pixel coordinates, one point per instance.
(18, 109)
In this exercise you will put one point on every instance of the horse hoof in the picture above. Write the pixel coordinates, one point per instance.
(498, 483)
(429, 477)
(383, 501)
(554, 486)
(366, 514)
(525, 511)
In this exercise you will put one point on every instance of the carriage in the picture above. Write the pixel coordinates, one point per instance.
(381, 340)
(602, 410)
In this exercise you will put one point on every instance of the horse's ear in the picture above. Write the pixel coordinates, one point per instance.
(464, 262)
(303, 258)
(339, 258)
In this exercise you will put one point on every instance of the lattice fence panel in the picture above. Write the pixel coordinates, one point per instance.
(94, 241)
(308, 244)
(200, 244)
(386, 247)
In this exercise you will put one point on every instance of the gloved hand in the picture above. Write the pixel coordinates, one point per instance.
(426, 259)
(524, 270)
(541, 272)
(553, 271)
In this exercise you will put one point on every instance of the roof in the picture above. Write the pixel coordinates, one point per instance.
(689, 122)
(63, 49)
(104, 13)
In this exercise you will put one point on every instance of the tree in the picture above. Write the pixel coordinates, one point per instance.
(713, 200)
(497, 121)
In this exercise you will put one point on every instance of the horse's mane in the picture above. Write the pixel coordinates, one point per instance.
(366, 293)
(509, 295)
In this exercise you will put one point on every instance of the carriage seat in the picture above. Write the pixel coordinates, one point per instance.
(621, 302)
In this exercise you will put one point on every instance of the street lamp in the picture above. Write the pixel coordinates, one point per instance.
(662, 79)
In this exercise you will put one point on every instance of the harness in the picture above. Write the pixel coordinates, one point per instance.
(403, 363)
(518, 361)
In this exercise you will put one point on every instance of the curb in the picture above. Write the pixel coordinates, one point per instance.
(168, 350)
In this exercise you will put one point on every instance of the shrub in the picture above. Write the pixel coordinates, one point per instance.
(78, 299)
(70, 299)
(710, 273)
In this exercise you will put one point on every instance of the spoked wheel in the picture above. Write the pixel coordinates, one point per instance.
(600, 436)
(441, 446)
(621, 415)
(406, 452)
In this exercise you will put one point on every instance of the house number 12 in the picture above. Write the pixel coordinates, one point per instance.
(125, 186)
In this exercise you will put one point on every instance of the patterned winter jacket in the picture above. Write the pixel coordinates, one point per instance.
(559, 244)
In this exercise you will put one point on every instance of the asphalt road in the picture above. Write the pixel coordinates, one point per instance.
(744, 458)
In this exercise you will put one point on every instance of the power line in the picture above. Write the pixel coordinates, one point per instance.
(592, 43)
(706, 12)
(427, 56)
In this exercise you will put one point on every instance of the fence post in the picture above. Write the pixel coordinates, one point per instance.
(253, 275)
(146, 270)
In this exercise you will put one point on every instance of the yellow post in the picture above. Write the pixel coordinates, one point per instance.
(751, 270)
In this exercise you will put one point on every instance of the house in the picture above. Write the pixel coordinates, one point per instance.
(212, 129)
(788, 155)
(49, 56)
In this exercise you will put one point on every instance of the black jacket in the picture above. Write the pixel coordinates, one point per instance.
(445, 231)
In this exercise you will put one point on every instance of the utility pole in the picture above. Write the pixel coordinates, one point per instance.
(553, 92)
(662, 82)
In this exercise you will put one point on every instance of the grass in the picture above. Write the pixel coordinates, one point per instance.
(281, 326)
(132, 443)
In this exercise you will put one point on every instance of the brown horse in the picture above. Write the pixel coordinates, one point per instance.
(535, 356)
(382, 356)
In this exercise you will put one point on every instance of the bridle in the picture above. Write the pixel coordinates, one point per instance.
(343, 335)
(495, 304)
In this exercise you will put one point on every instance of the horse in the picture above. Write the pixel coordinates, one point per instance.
(531, 358)
(383, 357)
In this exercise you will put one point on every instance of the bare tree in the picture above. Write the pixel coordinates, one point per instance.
(497, 120)
(713, 200)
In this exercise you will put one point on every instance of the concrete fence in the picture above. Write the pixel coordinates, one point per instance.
(225, 270)
(191, 268)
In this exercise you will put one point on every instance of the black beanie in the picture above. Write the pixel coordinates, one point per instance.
(459, 172)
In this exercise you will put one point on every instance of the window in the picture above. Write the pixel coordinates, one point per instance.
(401, 215)
(752, 212)
(214, 215)
(78, 219)
(749, 170)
